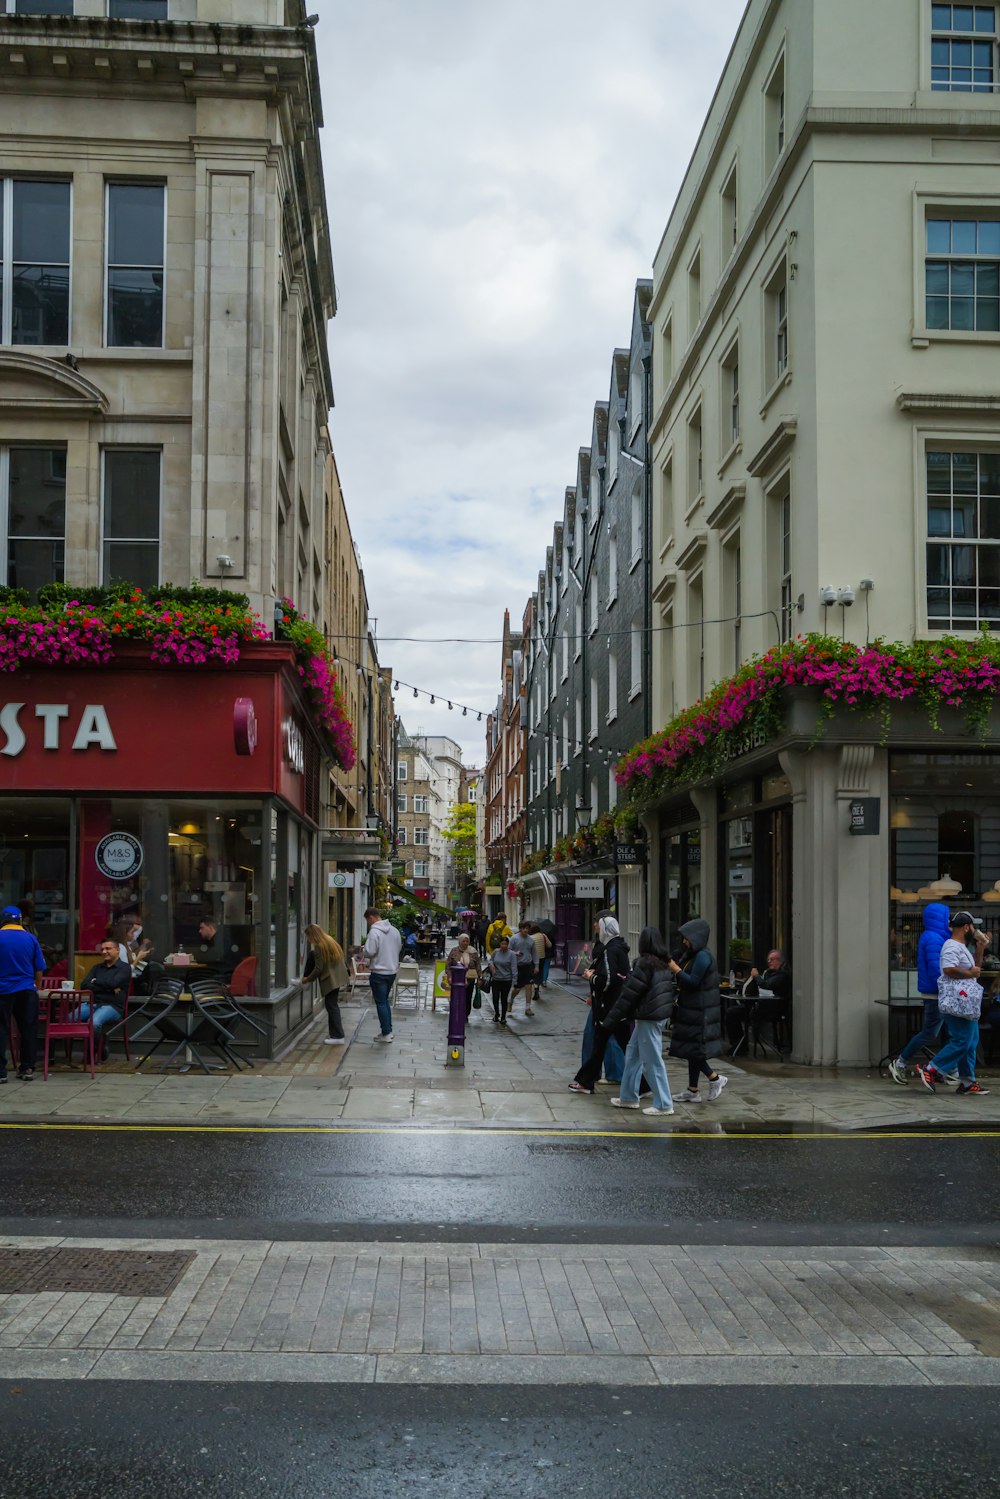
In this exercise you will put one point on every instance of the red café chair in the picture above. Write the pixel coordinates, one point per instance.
(63, 1023)
(243, 983)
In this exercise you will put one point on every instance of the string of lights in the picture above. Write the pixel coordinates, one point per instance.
(686, 624)
(418, 692)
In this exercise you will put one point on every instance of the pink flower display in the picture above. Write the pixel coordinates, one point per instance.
(962, 674)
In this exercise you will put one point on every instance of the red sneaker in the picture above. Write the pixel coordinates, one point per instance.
(929, 1077)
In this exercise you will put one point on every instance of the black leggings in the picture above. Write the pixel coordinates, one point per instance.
(500, 993)
(591, 1069)
(332, 1001)
(697, 1066)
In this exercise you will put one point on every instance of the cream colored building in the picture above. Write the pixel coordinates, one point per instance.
(826, 416)
(167, 283)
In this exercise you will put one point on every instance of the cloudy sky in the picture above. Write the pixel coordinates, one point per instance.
(499, 174)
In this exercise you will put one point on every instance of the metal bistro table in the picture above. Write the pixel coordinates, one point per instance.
(177, 1021)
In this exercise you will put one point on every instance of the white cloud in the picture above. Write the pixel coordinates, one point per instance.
(498, 177)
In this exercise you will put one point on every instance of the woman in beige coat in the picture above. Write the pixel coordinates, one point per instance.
(326, 966)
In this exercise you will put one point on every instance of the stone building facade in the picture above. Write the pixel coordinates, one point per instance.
(826, 458)
(505, 777)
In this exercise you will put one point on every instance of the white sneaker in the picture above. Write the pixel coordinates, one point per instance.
(622, 1103)
(334, 1040)
(386, 1039)
(716, 1087)
(653, 1110)
(528, 1010)
(689, 1096)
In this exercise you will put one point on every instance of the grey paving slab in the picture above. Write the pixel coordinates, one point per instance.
(318, 1368)
(788, 1371)
(535, 1369)
(45, 1364)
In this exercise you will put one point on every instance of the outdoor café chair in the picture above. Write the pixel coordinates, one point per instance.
(154, 1012)
(63, 1022)
(217, 1014)
(216, 988)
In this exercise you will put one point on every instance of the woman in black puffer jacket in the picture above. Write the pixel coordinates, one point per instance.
(697, 1031)
(648, 999)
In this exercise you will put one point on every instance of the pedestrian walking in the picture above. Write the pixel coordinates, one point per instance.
(697, 1029)
(960, 998)
(543, 949)
(325, 966)
(382, 947)
(647, 997)
(609, 969)
(522, 944)
(464, 955)
(503, 968)
(937, 929)
(497, 928)
(21, 968)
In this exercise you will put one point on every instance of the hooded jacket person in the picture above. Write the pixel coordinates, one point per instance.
(933, 937)
(697, 1028)
(610, 964)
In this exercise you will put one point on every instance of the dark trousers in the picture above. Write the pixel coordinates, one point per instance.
(332, 1002)
(591, 1069)
(23, 1005)
(697, 1066)
(501, 993)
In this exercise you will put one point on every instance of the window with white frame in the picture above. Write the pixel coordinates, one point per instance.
(730, 214)
(421, 804)
(635, 656)
(665, 346)
(731, 396)
(612, 568)
(612, 787)
(612, 686)
(421, 869)
(401, 801)
(564, 757)
(33, 506)
(962, 273)
(694, 292)
(595, 707)
(963, 539)
(35, 261)
(614, 447)
(733, 581)
(963, 49)
(37, 7)
(130, 522)
(695, 635)
(636, 382)
(637, 516)
(594, 603)
(776, 325)
(402, 772)
(695, 457)
(577, 629)
(578, 736)
(779, 524)
(774, 113)
(136, 221)
(421, 836)
(401, 837)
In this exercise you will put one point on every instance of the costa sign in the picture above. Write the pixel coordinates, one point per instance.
(93, 728)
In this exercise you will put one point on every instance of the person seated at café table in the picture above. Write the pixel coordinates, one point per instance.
(107, 983)
(766, 996)
(208, 949)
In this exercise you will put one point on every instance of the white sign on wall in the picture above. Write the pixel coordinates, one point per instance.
(590, 889)
(340, 881)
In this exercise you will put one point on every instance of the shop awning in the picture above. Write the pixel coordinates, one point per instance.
(418, 900)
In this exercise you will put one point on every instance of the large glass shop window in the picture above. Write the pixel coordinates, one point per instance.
(944, 849)
(188, 872)
(35, 872)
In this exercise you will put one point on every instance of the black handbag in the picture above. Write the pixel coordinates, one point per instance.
(486, 982)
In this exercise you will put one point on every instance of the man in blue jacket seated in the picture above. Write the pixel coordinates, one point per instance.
(108, 983)
(937, 930)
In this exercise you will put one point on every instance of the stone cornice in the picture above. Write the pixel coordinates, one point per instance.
(728, 507)
(777, 443)
(949, 401)
(693, 551)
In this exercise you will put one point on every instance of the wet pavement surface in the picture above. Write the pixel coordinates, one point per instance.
(848, 1188)
(311, 1442)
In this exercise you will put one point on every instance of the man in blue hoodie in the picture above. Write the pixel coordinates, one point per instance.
(937, 930)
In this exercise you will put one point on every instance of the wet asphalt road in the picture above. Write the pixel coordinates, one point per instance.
(142, 1441)
(837, 1190)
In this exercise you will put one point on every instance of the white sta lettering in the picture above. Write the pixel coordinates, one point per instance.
(94, 728)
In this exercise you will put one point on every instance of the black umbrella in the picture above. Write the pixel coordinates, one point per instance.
(547, 927)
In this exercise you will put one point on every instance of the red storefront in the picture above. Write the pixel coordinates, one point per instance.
(210, 778)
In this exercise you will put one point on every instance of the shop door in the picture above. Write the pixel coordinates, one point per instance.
(569, 925)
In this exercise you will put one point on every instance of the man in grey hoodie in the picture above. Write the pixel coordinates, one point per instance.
(382, 947)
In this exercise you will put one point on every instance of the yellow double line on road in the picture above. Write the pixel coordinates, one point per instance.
(523, 1132)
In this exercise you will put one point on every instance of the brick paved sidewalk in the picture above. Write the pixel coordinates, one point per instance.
(482, 1313)
(516, 1078)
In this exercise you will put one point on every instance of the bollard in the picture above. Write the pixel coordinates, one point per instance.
(459, 977)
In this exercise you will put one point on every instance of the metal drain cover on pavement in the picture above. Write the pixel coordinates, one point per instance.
(117, 1272)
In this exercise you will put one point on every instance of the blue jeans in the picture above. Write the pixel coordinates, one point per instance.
(933, 1021)
(645, 1055)
(960, 1052)
(381, 984)
(614, 1057)
(103, 1015)
(543, 971)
